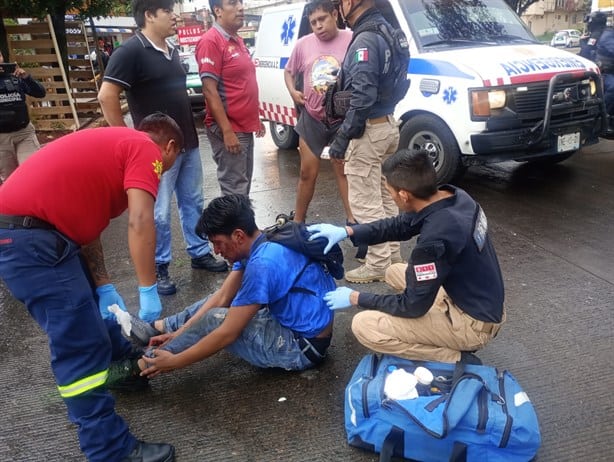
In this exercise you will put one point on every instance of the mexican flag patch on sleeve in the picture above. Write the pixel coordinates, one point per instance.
(361, 55)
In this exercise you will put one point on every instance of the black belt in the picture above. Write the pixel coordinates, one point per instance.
(23, 222)
(314, 349)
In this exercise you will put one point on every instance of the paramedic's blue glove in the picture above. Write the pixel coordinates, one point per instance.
(334, 234)
(149, 300)
(338, 299)
(107, 296)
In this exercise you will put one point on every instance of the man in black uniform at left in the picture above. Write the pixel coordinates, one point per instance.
(18, 139)
(452, 290)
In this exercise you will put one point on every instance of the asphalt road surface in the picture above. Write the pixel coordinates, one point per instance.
(552, 229)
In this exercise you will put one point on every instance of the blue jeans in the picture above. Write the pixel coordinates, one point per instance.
(185, 179)
(43, 270)
(264, 342)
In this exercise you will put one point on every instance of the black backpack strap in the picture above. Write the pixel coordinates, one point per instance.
(459, 371)
(394, 443)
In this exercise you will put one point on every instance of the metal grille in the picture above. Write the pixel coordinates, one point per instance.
(534, 99)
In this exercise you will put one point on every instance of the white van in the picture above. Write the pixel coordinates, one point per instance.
(483, 89)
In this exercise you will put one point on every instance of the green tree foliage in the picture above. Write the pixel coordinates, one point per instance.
(520, 6)
(57, 9)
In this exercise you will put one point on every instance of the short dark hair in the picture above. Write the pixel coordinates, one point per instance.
(324, 5)
(140, 7)
(225, 214)
(213, 4)
(161, 128)
(412, 171)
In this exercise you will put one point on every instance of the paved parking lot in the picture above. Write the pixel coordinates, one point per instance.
(553, 232)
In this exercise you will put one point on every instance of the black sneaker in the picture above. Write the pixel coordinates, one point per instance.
(151, 452)
(124, 376)
(141, 331)
(166, 286)
(210, 263)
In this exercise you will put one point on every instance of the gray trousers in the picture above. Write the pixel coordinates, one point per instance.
(234, 171)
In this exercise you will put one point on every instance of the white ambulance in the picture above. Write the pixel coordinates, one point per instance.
(483, 89)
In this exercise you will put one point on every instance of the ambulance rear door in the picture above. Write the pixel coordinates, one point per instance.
(280, 27)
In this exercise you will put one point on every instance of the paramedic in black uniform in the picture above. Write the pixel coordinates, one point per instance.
(451, 292)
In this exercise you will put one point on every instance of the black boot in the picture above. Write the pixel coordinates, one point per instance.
(166, 286)
(209, 263)
(151, 452)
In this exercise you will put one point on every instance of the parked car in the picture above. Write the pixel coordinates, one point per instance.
(566, 38)
(194, 85)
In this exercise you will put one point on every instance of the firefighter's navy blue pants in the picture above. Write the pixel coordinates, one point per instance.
(43, 269)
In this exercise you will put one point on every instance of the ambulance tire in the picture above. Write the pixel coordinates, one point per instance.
(283, 136)
(424, 132)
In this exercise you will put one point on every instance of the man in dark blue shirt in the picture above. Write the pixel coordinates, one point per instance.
(452, 290)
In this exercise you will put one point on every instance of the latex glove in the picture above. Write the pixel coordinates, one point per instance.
(338, 299)
(334, 234)
(149, 300)
(107, 296)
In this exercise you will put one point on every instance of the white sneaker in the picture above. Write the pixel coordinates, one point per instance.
(362, 275)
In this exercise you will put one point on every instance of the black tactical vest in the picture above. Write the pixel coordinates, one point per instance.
(13, 109)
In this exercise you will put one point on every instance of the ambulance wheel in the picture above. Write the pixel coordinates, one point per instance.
(283, 136)
(430, 134)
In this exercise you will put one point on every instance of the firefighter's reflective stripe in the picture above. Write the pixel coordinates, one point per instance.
(83, 385)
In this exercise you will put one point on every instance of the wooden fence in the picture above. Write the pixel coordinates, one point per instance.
(71, 100)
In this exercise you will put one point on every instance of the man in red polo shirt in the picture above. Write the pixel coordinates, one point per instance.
(231, 93)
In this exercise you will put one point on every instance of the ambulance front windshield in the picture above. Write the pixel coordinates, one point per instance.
(445, 24)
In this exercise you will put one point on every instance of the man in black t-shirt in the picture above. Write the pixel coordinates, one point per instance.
(148, 68)
(452, 290)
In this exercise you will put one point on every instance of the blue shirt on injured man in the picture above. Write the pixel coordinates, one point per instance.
(286, 281)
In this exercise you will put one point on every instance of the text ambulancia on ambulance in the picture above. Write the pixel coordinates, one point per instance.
(483, 89)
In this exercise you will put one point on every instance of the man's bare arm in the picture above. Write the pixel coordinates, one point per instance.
(142, 235)
(94, 257)
(220, 298)
(297, 96)
(237, 318)
(108, 96)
